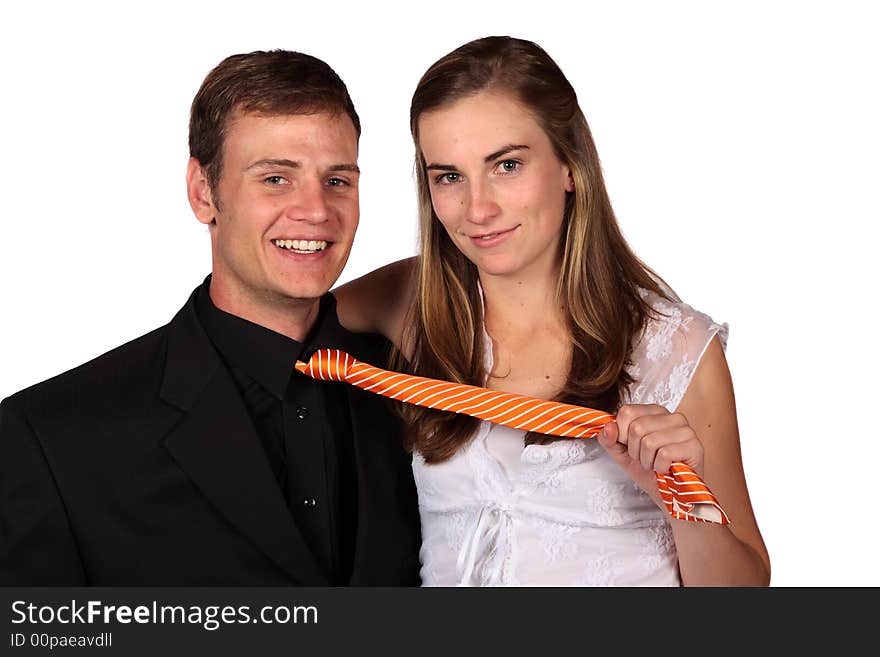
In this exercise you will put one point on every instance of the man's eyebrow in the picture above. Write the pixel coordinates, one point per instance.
(273, 162)
(344, 167)
(492, 156)
(268, 163)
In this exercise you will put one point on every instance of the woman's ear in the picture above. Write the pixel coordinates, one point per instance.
(569, 180)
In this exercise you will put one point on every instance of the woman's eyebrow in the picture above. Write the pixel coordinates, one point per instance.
(505, 151)
(492, 156)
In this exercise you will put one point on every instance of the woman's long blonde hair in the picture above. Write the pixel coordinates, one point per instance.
(600, 276)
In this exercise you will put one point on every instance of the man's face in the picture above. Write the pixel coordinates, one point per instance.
(285, 208)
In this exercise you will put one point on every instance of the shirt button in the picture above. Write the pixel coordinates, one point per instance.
(302, 412)
(310, 502)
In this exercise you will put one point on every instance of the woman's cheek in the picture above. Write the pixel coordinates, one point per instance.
(447, 210)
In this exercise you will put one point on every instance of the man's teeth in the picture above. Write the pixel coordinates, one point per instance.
(302, 246)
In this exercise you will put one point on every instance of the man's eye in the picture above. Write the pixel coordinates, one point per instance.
(337, 182)
(447, 178)
(509, 166)
(274, 180)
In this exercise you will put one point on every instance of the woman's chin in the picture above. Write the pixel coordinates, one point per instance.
(497, 268)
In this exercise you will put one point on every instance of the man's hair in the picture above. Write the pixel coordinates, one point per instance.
(273, 83)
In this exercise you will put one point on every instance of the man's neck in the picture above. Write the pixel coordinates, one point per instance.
(291, 317)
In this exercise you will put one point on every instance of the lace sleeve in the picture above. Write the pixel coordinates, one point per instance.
(668, 352)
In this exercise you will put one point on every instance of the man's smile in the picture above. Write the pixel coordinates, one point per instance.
(302, 246)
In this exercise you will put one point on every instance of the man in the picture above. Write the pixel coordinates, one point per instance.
(196, 455)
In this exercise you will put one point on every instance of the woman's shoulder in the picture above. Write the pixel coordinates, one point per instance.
(377, 302)
(672, 320)
(668, 350)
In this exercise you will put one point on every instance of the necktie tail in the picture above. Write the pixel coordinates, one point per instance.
(684, 494)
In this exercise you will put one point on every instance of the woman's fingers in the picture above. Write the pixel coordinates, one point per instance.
(652, 438)
(645, 480)
(608, 438)
(661, 449)
(635, 421)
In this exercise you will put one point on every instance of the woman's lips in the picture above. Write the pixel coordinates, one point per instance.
(487, 240)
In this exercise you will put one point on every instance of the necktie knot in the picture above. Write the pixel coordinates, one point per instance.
(327, 365)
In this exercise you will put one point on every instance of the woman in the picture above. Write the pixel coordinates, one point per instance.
(525, 284)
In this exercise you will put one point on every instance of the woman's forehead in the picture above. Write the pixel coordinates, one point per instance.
(478, 125)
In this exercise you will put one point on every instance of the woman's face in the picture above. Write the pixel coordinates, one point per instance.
(496, 183)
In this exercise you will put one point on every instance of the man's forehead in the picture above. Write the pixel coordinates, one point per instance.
(324, 115)
(322, 135)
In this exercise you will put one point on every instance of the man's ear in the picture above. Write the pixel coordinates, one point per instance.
(199, 192)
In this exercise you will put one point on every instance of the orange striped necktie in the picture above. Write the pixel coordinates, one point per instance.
(684, 494)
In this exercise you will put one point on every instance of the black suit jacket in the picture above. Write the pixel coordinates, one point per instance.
(142, 467)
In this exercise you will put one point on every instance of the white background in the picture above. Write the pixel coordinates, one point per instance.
(740, 145)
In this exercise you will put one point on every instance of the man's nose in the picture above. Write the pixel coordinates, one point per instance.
(309, 203)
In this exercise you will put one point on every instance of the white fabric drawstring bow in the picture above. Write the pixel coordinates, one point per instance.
(485, 546)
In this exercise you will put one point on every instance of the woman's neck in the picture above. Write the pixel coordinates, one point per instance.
(531, 346)
(517, 304)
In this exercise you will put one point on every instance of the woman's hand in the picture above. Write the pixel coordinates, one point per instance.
(646, 438)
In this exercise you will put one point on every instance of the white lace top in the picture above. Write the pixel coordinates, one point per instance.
(562, 514)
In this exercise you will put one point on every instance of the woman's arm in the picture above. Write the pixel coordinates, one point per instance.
(702, 433)
(378, 302)
(735, 554)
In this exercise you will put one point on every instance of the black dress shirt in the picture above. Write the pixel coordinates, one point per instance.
(304, 425)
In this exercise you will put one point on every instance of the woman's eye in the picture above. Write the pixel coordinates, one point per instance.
(509, 166)
(447, 178)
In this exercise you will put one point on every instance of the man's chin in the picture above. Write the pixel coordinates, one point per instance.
(305, 292)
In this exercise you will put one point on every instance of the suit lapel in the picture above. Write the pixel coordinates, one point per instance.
(216, 444)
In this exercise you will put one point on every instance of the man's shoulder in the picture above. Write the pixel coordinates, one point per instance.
(370, 348)
(114, 377)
